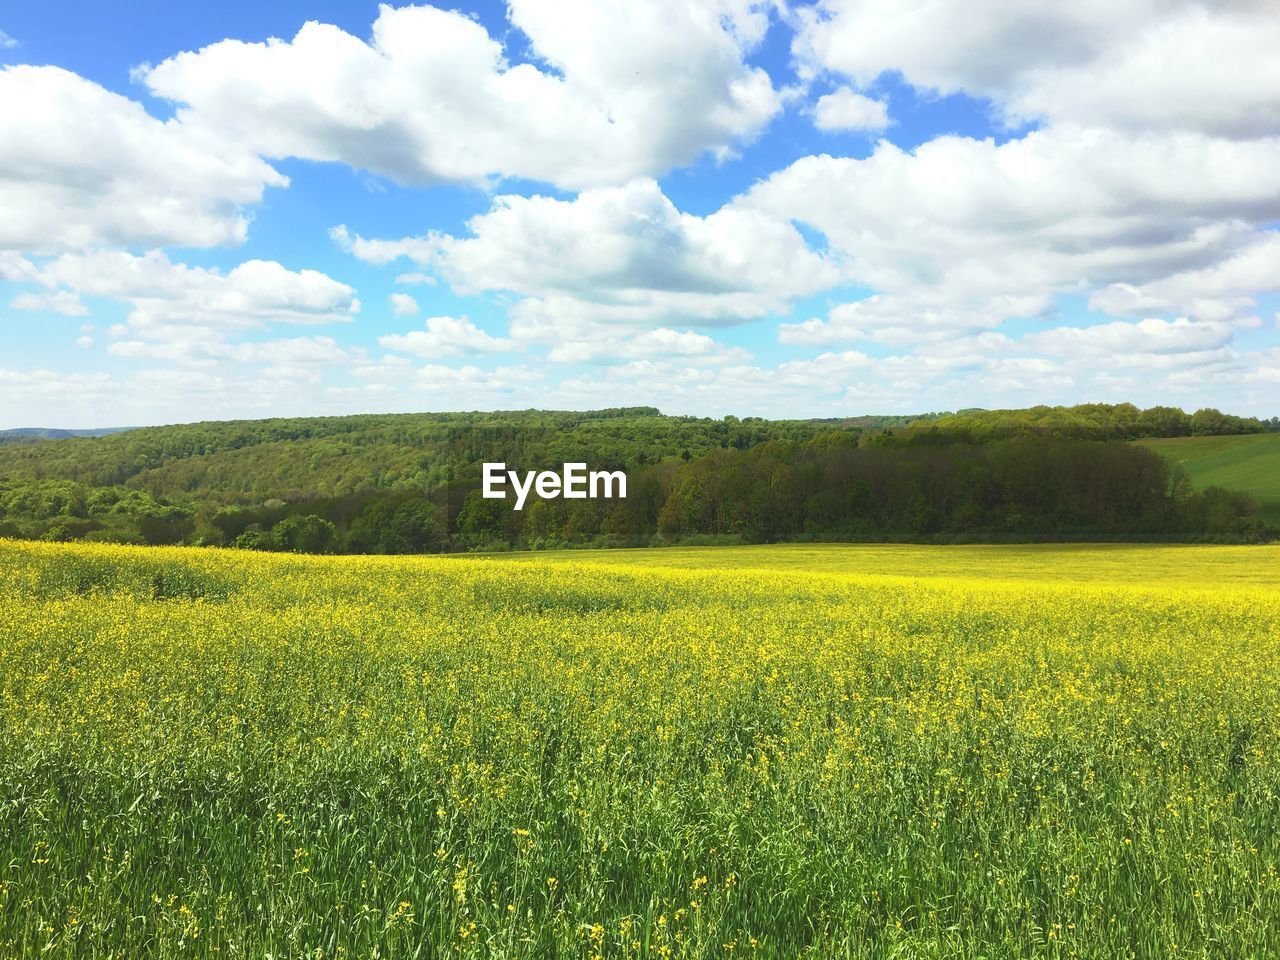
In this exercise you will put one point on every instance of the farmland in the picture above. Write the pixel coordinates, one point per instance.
(862, 751)
(1250, 463)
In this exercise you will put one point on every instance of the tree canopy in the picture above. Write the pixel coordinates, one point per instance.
(410, 483)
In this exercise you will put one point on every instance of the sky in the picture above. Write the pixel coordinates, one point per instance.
(818, 209)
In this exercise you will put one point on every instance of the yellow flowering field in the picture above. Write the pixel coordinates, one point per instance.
(842, 751)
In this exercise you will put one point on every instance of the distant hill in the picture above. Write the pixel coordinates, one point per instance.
(248, 461)
(410, 482)
(32, 434)
(1247, 463)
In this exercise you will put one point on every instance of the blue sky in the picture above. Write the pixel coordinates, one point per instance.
(820, 209)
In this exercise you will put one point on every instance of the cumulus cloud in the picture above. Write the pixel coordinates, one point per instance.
(1211, 69)
(171, 300)
(1149, 336)
(1217, 292)
(381, 252)
(1150, 186)
(615, 90)
(15, 267)
(403, 305)
(843, 109)
(1145, 184)
(967, 228)
(445, 337)
(1127, 64)
(81, 166)
(622, 255)
(65, 302)
(416, 278)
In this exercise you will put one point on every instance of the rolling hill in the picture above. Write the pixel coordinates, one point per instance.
(32, 434)
(411, 482)
(1250, 463)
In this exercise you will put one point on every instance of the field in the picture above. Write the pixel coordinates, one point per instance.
(906, 752)
(1250, 463)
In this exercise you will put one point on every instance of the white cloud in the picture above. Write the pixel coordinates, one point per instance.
(1150, 189)
(844, 109)
(501, 380)
(445, 337)
(381, 252)
(1199, 69)
(1149, 336)
(909, 319)
(991, 368)
(629, 240)
(297, 353)
(65, 302)
(617, 90)
(981, 46)
(15, 267)
(81, 166)
(403, 305)
(442, 387)
(174, 301)
(7, 42)
(1126, 64)
(68, 399)
(1216, 292)
(622, 255)
(967, 228)
(659, 344)
(416, 278)
(816, 385)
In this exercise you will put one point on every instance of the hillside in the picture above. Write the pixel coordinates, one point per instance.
(1248, 463)
(409, 483)
(243, 462)
(33, 434)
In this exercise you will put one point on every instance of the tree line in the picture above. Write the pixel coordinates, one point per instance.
(832, 486)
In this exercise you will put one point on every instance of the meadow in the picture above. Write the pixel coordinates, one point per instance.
(845, 751)
(1248, 462)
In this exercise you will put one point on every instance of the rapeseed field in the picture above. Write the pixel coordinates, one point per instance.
(871, 752)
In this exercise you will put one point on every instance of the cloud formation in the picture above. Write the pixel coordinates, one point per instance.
(170, 300)
(1123, 64)
(81, 167)
(844, 109)
(962, 234)
(446, 337)
(403, 305)
(1113, 235)
(615, 90)
(619, 255)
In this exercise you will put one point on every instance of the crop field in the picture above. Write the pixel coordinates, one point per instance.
(880, 752)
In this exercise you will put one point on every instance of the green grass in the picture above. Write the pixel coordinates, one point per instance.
(1250, 463)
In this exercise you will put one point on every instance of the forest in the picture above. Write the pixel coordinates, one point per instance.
(410, 483)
